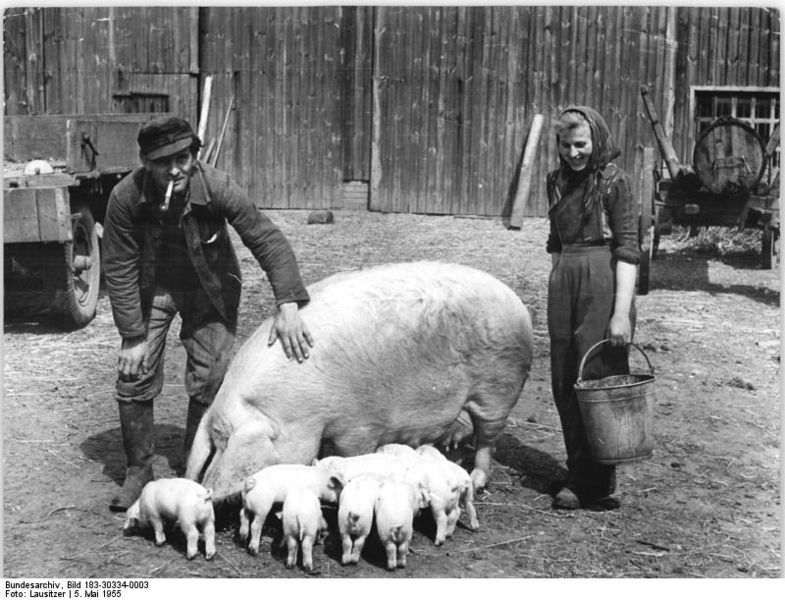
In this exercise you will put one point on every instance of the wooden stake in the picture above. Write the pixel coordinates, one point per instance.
(214, 158)
(527, 170)
(205, 112)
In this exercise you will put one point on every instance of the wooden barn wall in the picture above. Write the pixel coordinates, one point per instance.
(432, 105)
(456, 89)
(285, 66)
(100, 59)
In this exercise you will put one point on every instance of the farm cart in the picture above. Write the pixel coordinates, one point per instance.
(58, 172)
(733, 182)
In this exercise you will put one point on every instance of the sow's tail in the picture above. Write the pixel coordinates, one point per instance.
(200, 452)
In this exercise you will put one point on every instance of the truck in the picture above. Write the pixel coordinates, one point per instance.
(58, 171)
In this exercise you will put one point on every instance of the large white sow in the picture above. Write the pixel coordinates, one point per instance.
(410, 353)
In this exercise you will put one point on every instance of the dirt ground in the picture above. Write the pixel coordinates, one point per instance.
(706, 505)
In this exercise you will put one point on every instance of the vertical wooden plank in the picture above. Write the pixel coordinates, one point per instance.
(774, 49)
(252, 107)
(498, 44)
(420, 74)
(442, 118)
(349, 53)
(313, 40)
(693, 78)
(363, 87)
(712, 51)
(765, 59)
(395, 108)
(723, 32)
(15, 68)
(535, 53)
(281, 86)
(744, 46)
(669, 76)
(490, 60)
(475, 92)
(753, 61)
(539, 106)
(563, 53)
(376, 202)
(404, 156)
(616, 117)
(33, 53)
(732, 51)
(454, 195)
(518, 70)
(594, 40)
(614, 57)
(464, 85)
(581, 66)
(550, 68)
(702, 63)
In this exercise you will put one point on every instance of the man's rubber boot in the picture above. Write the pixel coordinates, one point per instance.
(196, 411)
(136, 424)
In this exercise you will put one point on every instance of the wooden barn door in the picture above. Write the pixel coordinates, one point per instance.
(283, 66)
(448, 109)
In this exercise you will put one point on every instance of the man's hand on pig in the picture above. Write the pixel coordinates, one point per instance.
(290, 329)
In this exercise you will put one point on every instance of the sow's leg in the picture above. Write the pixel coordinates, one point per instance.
(488, 410)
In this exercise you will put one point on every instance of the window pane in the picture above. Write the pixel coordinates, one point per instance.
(743, 108)
(704, 106)
(723, 107)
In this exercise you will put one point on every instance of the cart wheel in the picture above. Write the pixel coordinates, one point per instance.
(80, 275)
(770, 248)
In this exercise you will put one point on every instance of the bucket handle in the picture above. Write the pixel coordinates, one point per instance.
(589, 351)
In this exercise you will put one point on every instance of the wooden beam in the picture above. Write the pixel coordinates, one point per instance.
(527, 170)
(204, 113)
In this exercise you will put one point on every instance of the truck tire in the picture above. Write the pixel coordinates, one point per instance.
(79, 279)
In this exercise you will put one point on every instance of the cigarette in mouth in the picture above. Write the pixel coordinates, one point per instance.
(168, 196)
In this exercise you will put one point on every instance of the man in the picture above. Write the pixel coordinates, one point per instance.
(167, 251)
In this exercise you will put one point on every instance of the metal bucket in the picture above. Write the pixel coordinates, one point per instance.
(618, 413)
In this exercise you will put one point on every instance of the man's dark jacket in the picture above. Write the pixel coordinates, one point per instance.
(132, 236)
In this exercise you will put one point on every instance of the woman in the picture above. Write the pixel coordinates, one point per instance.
(594, 247)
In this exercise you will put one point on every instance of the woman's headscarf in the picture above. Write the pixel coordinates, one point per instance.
(604, 150)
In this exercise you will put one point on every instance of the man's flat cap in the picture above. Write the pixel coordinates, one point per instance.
(165, 136)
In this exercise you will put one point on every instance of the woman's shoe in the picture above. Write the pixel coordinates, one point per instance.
(566, 499)
(600, 504)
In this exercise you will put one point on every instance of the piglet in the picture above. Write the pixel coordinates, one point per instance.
(461, 478)
(273, 484)
(444, 487)
(396, 505)
(180, 500)
(355, 514)
(303, 525)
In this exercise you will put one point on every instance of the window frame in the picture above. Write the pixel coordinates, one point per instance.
(733, 91)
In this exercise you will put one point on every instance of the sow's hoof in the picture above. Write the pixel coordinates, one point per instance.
(320, 217)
